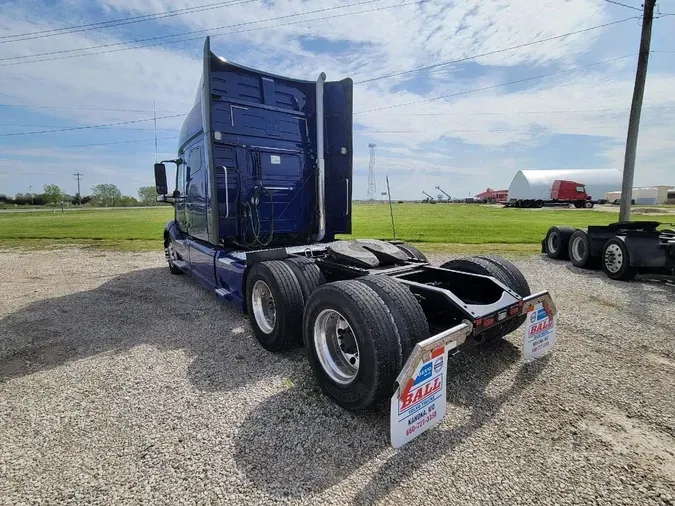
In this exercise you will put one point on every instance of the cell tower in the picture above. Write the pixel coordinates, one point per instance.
(371, 173)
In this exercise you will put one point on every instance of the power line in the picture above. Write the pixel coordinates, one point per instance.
(192, 32)
(502, 130)
(12, 125)
(86, 127)
(68, 108)
(466, 58)
(559, 111)
(149, 141)
(466, 92)
(623, 5)
(205, 31)
(117, 22)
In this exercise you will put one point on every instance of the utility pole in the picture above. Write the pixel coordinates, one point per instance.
(635, 110)
(371, 172)
(30, 190)
(79, 195)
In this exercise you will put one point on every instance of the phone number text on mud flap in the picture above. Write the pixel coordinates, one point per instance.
(421, 423)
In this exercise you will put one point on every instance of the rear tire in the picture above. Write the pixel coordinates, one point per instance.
(616, 260)
(579, 250)
(518, 283)
(355, 312)
(557, 240)
(504, 272)
(412, 252)
(539, 204)
(407, 312)
(308, 274)
(274, 302)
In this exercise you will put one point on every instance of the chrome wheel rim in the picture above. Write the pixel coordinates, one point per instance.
(264, 309)
(336, 346)
(578, 248)
(588, 205)
(553, 242)
(170, 253)
(613, 258)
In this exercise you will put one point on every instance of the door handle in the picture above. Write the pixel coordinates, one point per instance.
(347, 197)
(227, 194)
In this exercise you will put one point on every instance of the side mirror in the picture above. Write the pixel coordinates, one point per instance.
(160, 179)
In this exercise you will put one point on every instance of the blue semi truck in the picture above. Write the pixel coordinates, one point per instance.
(263, 185)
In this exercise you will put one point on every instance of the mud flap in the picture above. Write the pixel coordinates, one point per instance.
(419, 401)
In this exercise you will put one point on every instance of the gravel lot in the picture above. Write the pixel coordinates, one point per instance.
(122, 384)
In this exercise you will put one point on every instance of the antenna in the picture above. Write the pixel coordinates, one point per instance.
(371, 173)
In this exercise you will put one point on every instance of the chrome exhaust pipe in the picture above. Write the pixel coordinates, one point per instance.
(321, 166)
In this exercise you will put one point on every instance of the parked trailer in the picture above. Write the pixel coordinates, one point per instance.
(562, 193)
(263, 185)
(623, 250)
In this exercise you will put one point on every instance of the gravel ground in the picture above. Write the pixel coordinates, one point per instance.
(122, 384)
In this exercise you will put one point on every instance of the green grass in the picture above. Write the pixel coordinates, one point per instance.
(443, 227)
(127, 229)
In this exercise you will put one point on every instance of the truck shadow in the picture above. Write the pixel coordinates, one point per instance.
(145, 307)
(288, 450)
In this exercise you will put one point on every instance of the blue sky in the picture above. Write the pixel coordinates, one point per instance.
(574, 118)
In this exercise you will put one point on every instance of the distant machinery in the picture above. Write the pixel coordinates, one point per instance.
(429, 198)
(444, 193)
(371, 173)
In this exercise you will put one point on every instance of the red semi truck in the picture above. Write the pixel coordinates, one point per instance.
(562, 192)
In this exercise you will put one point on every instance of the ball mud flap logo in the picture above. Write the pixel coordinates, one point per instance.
(416, 395)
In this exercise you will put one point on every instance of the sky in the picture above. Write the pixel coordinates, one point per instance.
(462, 125)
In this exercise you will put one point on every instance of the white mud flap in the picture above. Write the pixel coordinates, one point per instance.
(540, 336)
(419, 401)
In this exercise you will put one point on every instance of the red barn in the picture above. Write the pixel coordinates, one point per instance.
(493, 195)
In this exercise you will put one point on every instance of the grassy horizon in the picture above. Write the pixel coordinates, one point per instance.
(436, 228)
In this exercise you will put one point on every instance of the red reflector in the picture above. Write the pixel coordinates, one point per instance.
(488, 321)
(479, 322)
(437, 352)
(514, 310)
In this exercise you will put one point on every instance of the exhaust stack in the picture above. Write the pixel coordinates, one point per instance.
(321, 176)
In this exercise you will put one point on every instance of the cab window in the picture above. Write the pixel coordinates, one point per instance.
(195, 161)
(580, 189)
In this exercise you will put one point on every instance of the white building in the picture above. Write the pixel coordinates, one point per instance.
(536, 184)
(645, 195)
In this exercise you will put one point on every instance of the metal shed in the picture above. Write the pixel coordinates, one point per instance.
(536, 184)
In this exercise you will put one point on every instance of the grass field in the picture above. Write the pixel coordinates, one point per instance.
(452, 228)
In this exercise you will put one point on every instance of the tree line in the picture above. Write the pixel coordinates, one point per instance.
(102, 195)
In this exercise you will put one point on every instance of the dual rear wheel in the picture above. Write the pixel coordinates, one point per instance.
(357, 333)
